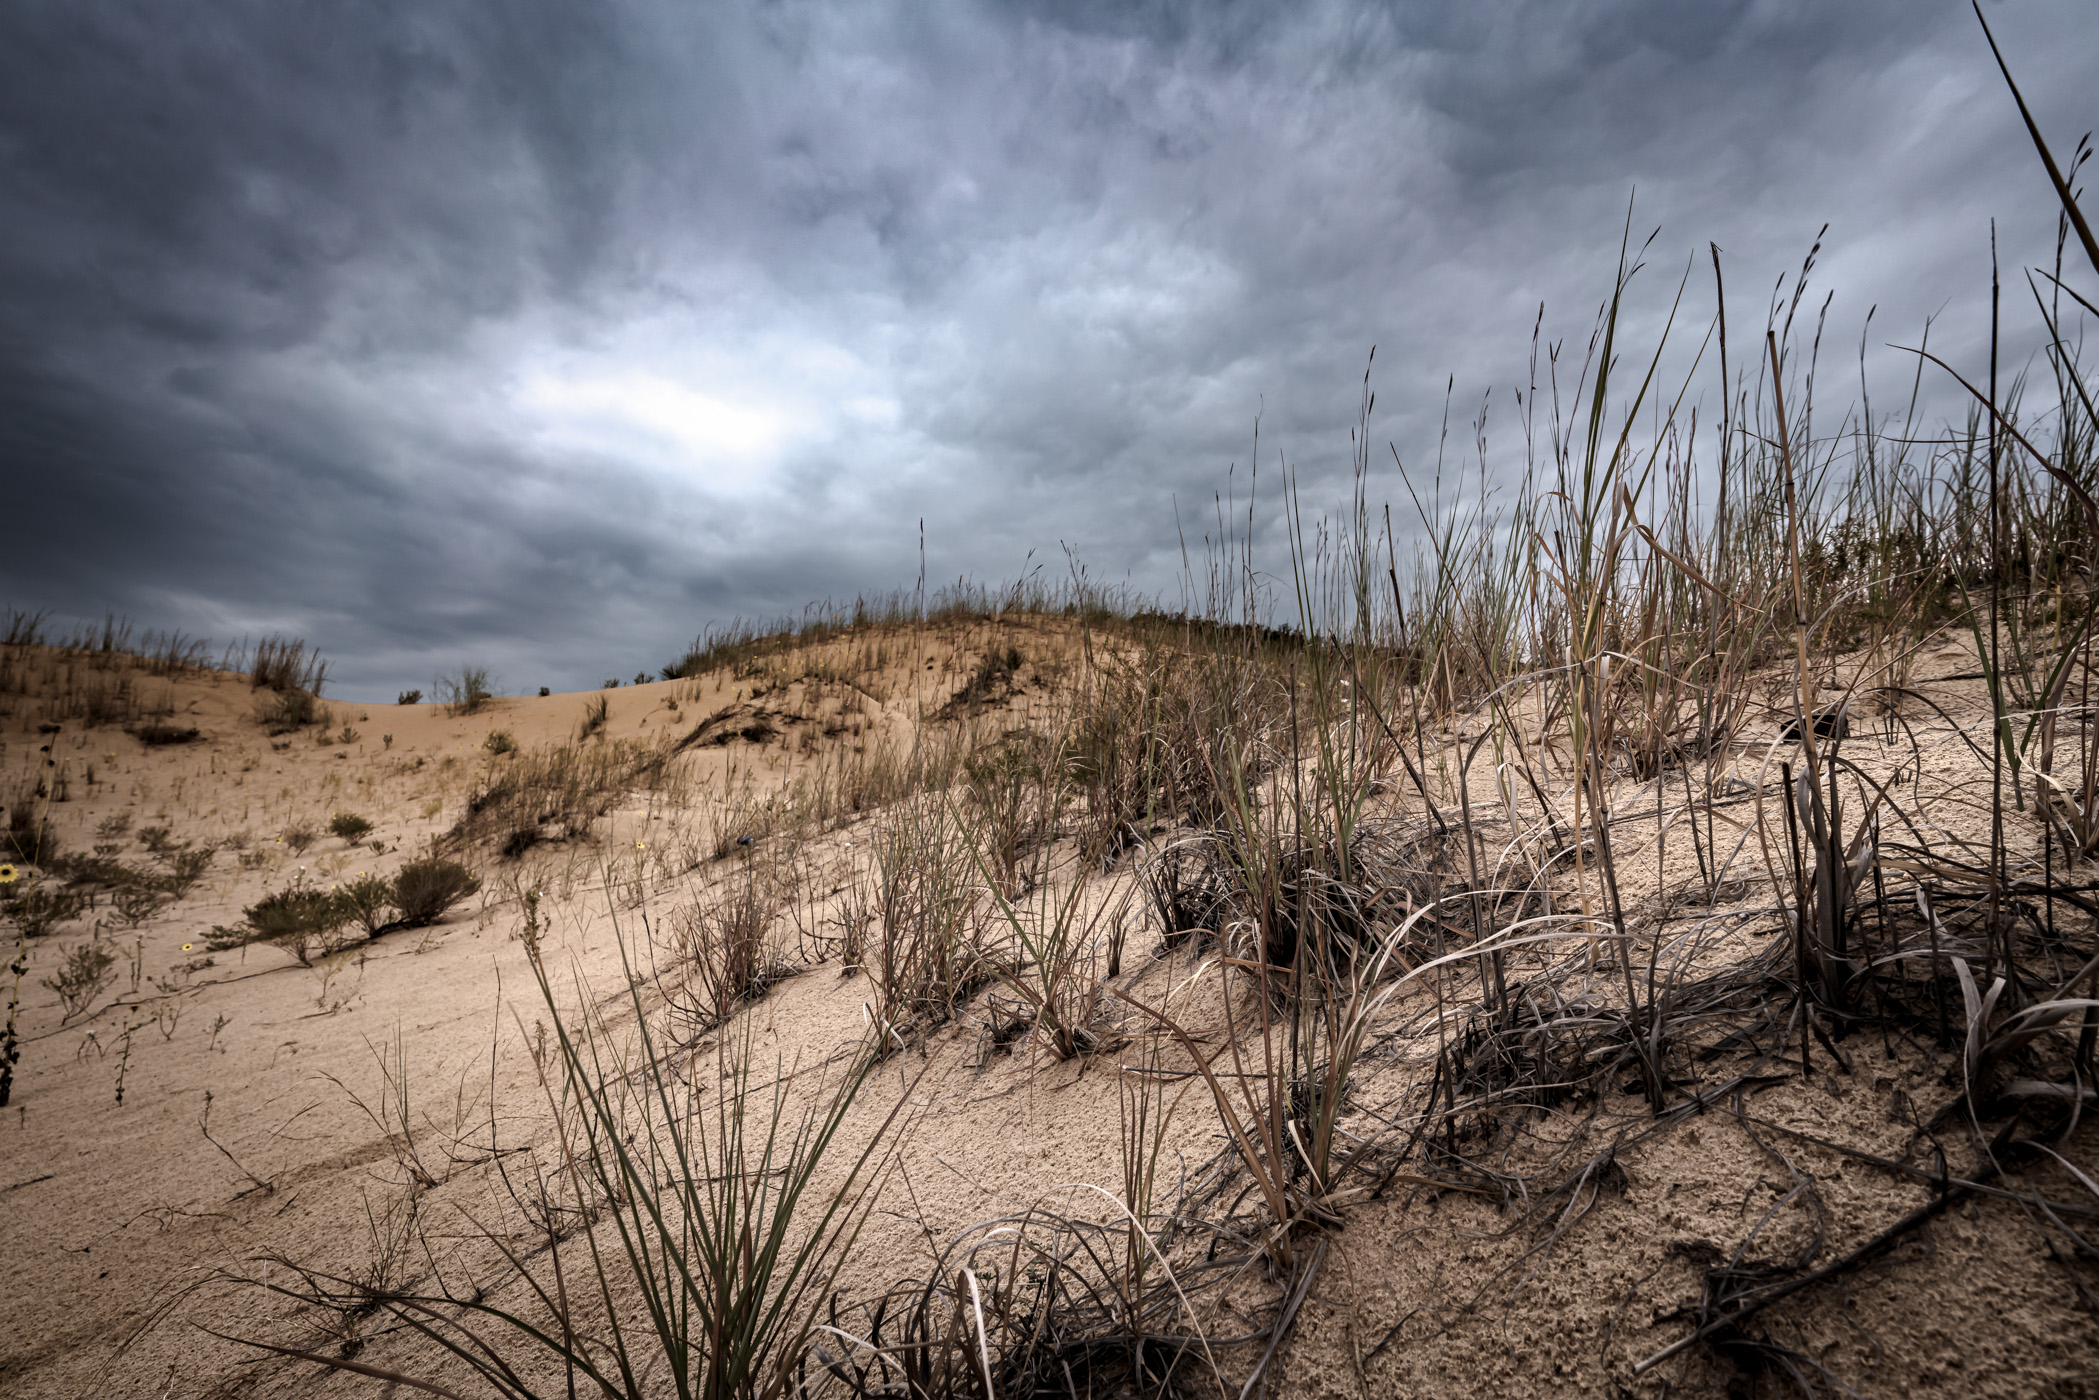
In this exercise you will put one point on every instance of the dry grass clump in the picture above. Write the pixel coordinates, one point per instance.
(286, 664)
(724, 945)
(554, 794)
(723, 1213)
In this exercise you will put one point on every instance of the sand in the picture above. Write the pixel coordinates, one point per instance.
(139, 1233)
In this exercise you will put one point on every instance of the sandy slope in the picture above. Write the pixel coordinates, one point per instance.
(128, 1231)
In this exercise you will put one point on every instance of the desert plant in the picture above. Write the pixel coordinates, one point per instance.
(86, 972)
(1066, 938)
(27, 837)
(286, 665)
(552, 793)
(183, 869)
(157, 735)
(283, 711)
(498, 743)
(299, 836)
(409, 697)
(464, 693)
(138, 899)
(721, 1228)
(929, 953)
(349, 826)
(370, 898)
(596, 711)
(302, 920)
(723, 942)
(40, 907)
(425, 889)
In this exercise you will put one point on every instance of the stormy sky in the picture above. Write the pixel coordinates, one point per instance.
(539, 334)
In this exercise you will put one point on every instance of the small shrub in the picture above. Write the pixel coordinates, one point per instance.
(544, 691)
(25, 838)
(465, 693)
(299, 838)
(641, 678)
(611, 683)
(185, 868)
(304, 922)
(348, 736)
(158, 839)
(349, 826)
(86, 972)
(111, 827)
(283, 711)
(138, 900)
(155, 735)
(39, 908)
(425, 889)
(499, 742)
(370, 899)
(409, 697)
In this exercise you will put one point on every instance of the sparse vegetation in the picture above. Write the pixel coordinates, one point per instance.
(1637, 803)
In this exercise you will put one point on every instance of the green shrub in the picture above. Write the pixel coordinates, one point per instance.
(465, 693)
(304, 922)
(370, 899)
(499, 742)
(299, 838)
(409, 697)
(424, 889)
(349, 826)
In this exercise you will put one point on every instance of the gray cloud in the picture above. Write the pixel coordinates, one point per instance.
(541, 335)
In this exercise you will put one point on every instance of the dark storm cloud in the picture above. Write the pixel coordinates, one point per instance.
(540, 334)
